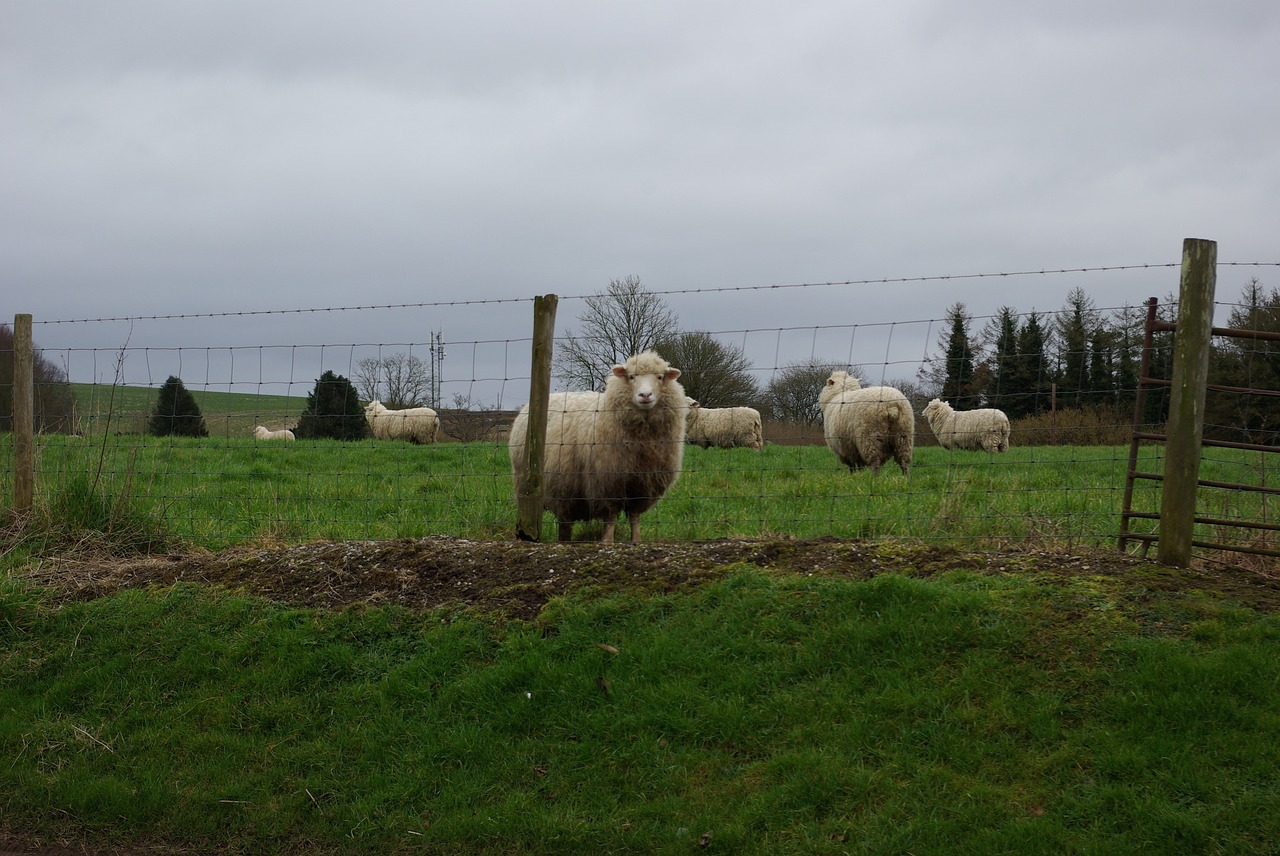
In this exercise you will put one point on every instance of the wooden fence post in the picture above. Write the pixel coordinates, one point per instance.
(1185, 428)
(529, 502)
(24, 461)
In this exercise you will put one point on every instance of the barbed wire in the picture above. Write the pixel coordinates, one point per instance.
(708, 290)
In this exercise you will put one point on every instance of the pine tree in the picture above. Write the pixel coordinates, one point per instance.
(1075, 324)
(333, 410)
(177, 412)
(958, 387)
(1028, 385)
(1247, 364)
(1003, 372)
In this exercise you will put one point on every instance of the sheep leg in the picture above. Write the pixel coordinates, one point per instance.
(565, 530)
(610, 524)
(634, 520)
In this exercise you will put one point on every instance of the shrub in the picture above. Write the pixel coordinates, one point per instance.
(177, 412)
(333, 410)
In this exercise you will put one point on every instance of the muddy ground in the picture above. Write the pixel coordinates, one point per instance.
(514, 579)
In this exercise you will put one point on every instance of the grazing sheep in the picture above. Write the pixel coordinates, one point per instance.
(608, 452)
(417, 424)
(724, 427)
(866, 426)
(262, 433)
(986, 430)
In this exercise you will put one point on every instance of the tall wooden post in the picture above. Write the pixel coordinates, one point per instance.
(529, 502)
(24, 460)
(1185, 428)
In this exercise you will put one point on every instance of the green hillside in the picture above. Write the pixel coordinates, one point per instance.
(124, 409)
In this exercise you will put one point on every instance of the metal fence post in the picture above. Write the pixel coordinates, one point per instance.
(1186, 402)
(529, 502)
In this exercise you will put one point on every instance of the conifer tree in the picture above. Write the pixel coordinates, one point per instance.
(177, 413)
(1030, 381)
(1003, 372)
(958, 385)
(333, 410)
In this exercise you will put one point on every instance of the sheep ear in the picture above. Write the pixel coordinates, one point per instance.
(620, 371)
(672, 374)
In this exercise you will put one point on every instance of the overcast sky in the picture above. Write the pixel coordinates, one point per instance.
(211, 157)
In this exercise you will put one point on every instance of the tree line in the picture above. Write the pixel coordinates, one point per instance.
(1078, 357)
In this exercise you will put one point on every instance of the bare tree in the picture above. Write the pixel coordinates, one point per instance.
(468, 420)
(792, 395)
(397, 380)
(714, 373)
(619, 322)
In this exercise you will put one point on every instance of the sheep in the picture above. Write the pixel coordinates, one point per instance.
(263, 433)
(866, 425)
(985, 430)
(724, 427)
(608, 452)
(416, 424)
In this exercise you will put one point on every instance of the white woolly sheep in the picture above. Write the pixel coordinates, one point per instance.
(416, 424)
(724, 427)
(866, 425)
(608, 452)
(263, 433)
(984, 430)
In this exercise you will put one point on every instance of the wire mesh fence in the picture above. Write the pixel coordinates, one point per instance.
(1060, 481)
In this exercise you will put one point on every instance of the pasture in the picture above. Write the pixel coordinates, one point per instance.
(218, 492)
(967, 666)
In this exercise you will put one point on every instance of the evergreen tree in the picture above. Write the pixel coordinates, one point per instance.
(333, 410)
(958, 387)
(1003, 373)
(1074, 324)
(1128, 329)
(1028, 387)
(1102, 360)
(1246, 363)
(177, 412)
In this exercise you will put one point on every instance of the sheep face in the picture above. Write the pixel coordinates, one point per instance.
(936, 406)
(373, 408)
(645, 374)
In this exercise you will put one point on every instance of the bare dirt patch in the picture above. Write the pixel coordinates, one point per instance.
(514, 579)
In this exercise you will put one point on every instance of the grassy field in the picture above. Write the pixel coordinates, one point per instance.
(218, 492)
(762, 713)
(115, 409)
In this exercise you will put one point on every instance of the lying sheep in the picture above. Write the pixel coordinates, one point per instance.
(985, 430)
(866, 426)
(608, 452)
(417, 424)
(724, 427)
(263, 433)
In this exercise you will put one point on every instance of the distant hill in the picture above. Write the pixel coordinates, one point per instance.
(124, 409)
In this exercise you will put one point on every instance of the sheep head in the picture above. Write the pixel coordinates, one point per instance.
(838, 382)
(937, 406)
(647, 376)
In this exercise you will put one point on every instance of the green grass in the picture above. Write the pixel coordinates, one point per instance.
(962, 714)
(218, 492)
